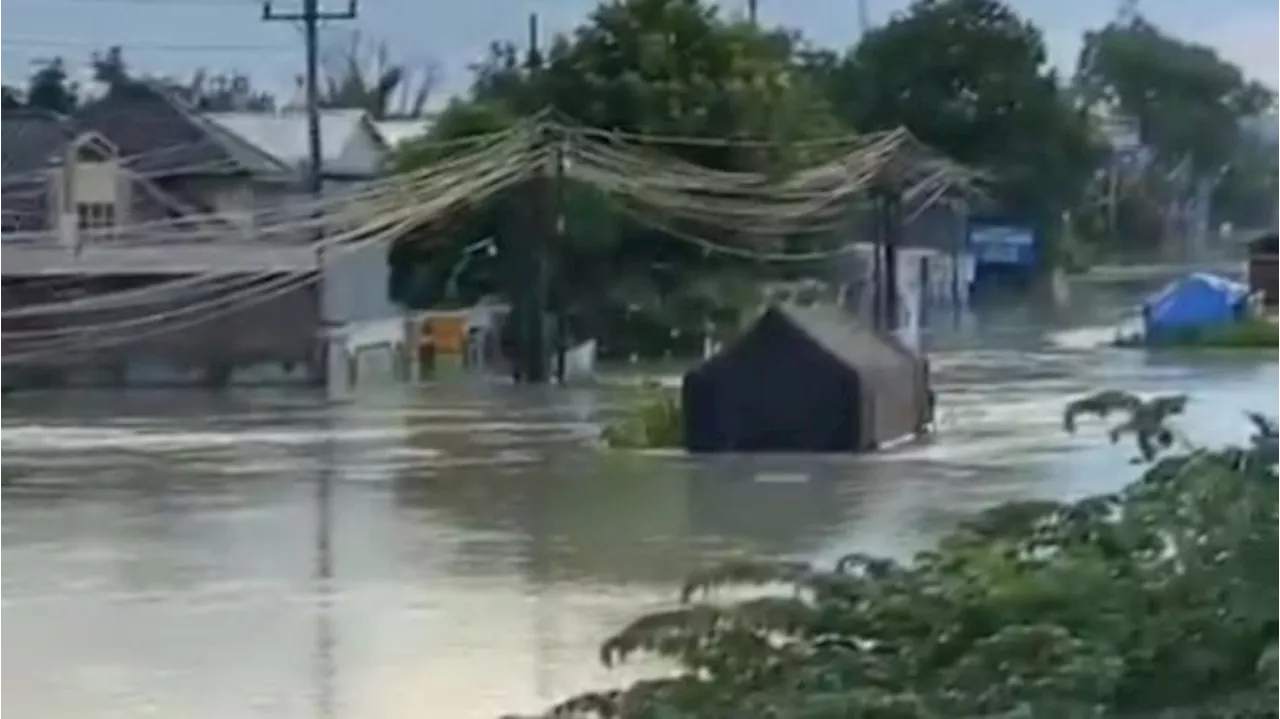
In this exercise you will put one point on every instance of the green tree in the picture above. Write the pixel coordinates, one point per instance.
(658, 67)
(1190, 107)
(361, 75)
(110, 69)
(49, 88)
(971, 78)
(203, 90)
(221, 92)
(1187, 101)
(674, 67)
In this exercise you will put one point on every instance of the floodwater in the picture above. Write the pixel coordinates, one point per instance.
(461, 552)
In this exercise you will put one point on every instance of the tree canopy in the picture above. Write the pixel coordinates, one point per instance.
(1192, 110)
(968, 77)
(1189, 103)
(360, 74)
(655, 67)
(50, 89)
(971, 78)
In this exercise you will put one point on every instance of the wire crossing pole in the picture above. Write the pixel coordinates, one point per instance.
(311, 17)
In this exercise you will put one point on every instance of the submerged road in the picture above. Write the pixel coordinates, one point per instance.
(461, 552)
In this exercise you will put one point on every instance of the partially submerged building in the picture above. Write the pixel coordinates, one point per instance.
(806, 380)
(1262, 268)
(138, 190)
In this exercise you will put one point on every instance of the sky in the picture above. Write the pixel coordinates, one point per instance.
(179, 36)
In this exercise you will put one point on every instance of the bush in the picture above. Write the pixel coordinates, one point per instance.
(654, 423)
(1159, 600)
(1252, 333)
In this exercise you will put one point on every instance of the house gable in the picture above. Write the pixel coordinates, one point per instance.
(92, 147)
(349, 141)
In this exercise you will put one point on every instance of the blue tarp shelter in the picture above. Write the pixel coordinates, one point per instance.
(1195, 301)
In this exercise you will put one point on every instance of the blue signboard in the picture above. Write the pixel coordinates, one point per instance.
(1003, 245)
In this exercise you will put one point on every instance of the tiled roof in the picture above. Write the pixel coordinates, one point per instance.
(31, 139)
(159, 137)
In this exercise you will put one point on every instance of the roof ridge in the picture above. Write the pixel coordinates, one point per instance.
(357, 117)
(231, 142)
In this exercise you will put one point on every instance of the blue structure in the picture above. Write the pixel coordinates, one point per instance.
(1193, 302)
(1004, 253)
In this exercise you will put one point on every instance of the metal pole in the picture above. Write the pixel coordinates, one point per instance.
(562, 338)
(310, 22)
(310, 17)
(877, 262)
(957, 255)
(892, 232)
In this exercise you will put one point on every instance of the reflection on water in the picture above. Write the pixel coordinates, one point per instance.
(461, 552)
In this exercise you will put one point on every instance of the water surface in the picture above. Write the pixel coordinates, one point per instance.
(462, 551)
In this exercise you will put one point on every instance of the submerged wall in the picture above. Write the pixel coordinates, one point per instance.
(273, 341)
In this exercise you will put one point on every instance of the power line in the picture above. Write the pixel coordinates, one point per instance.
(311, 16)
(148, 46)
(220, 4)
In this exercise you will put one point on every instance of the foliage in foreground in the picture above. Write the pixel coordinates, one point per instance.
(1156, 601)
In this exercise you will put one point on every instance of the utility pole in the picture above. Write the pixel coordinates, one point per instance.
(526, 240)
(753, 11)
(311, 16)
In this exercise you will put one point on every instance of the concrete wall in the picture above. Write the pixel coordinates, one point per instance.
(356, 285)
(943, 285)
(273, 341)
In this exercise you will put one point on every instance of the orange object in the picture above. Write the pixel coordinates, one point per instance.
(449, 334)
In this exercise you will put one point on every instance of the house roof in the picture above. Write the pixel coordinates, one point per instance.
(31, 138)
(159, 136)
(394, 132)
(283, 136)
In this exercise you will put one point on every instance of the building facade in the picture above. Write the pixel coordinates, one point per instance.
(137, 189)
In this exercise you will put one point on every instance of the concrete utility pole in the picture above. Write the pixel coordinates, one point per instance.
(311, 16)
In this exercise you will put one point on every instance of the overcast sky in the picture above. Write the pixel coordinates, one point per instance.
(179, 36)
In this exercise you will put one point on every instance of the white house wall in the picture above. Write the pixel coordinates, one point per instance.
(356, 286)
(95, 182)
(361, 154)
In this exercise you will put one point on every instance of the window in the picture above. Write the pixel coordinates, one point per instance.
(96, 215)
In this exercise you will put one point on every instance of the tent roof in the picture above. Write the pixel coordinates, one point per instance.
(841, 335)
(1230, 289)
